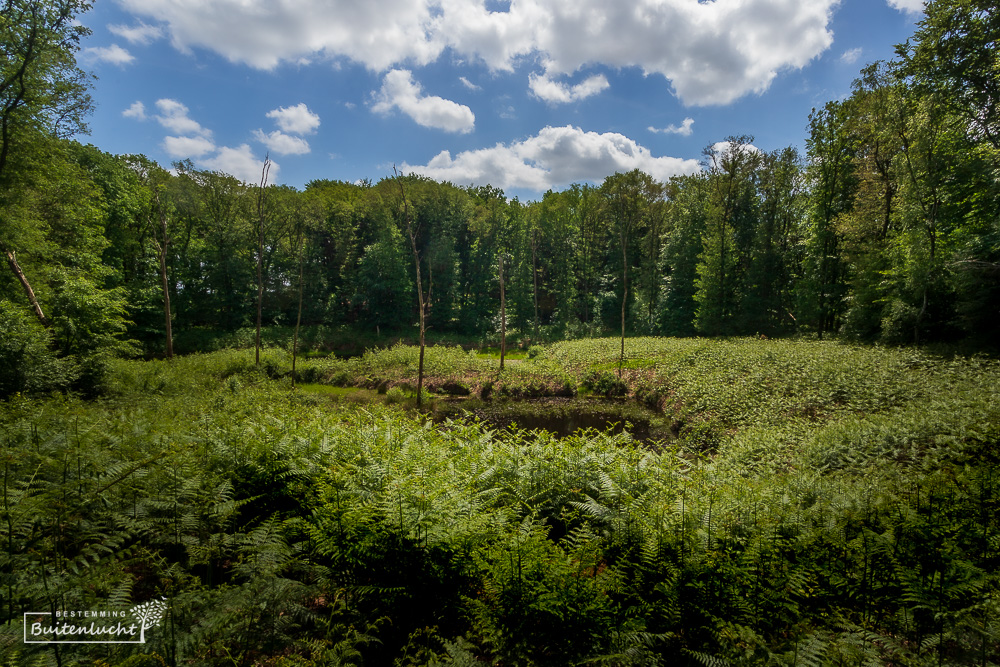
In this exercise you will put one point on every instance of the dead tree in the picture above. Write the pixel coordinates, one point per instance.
(260, 247)
(411, 232)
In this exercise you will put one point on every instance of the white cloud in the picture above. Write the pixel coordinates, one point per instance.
(851, 56)
(187, 147)
(684, 129)
(281, 143)
(908, 6)
(192, 141)
(556, 92)
(721, 151)
(710, 52)
(400, 91)
(297, 120)
(468, 84)
(174, 117)
(137, 110)
(264, 33)
(724, 147)
(137, 34)
(113, 54)
(555, 157)
(241, 163)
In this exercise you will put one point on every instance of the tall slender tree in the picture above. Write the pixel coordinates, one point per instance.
(157, 213)
(412, 231)
(627, 198)
(833, 182)
(764, 306)
(686, 222)
(732, 166)
(260, 224)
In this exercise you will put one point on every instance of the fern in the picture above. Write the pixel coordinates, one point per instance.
(811, 651)
(708, 660)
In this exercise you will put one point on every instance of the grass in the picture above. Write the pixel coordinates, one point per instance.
(328, 390)
(494, 353)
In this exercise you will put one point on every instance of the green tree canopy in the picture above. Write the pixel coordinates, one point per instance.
(954, 53)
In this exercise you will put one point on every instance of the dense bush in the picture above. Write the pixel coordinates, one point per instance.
(27, 362)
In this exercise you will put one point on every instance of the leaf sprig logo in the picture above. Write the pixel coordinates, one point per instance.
(149, 615)
(94, 626)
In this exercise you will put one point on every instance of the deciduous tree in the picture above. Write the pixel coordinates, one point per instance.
(42, 93)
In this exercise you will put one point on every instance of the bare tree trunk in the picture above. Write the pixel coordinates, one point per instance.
(420, 289)
(298, 319)
(32, 299)
(621, 359)
(423, 314)
(503, 316)
(920, 316)
(260, 249)
(534, 277)
(161, 250)
(722, 270)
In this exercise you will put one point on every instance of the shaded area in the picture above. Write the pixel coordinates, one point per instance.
(563, 417)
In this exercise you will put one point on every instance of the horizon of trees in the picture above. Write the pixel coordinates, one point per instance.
(885, 230)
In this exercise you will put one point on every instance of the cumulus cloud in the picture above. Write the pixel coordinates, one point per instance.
(113, 54)
(851, 56)
(264, 33)
(187, 147)
(908, 6)
(297, 120)
(400, 91)
(721, 152)
(281, 143)
(723, 148)
(684, 129)
(241, 163)
(174, 116)
(192, 141)
(710, 52)
(137, 34)
(556, 92)
(468, 84)
(136, 110)
(555, 157)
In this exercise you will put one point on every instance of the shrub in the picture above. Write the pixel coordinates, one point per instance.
(605, 383)
(27, 362)
(899, 323)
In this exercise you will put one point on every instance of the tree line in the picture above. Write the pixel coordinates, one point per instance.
(886, 229)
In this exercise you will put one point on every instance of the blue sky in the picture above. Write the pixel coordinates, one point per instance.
(525, 95)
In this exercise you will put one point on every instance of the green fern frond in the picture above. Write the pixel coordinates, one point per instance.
(708, 660)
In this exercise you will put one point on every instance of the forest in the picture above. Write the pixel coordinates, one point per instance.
(217, 394)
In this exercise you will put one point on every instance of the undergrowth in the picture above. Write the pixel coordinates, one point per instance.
(823, 504)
